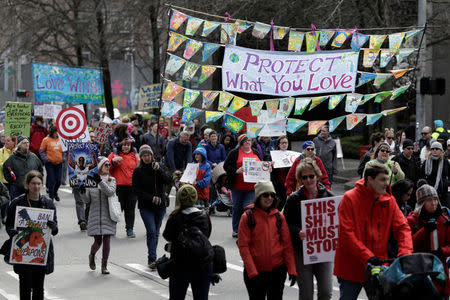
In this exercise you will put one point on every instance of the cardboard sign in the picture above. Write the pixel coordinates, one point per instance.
(103, 130)
(283, 159)
(30, 246)
(190, 173)
(149, 96)
(255, 171)
(17, 119)
(51, 111)
(339, 153)
(82, 164)
(72, 126)
(39, 110)
(320, 222)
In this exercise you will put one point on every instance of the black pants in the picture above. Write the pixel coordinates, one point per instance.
(127, 201)
(270, 284)
(32, 281)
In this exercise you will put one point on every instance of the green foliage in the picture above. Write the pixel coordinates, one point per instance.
(350, 145)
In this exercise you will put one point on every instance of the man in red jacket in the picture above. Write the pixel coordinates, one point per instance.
(37, 134)
(367, 215)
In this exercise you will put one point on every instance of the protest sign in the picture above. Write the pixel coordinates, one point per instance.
(30, 246)
(266, 117)
(190, 173)
(82, 163)
(283, 73)
(277, 128)
(255, 171)
(72, 126)
(67, 84)
(149, 96)
(51, 111)
(320, 223)
(283, 159)
(17, 118)
(39, 110)
(103, 130)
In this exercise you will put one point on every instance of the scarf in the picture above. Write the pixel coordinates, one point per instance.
(429, 169)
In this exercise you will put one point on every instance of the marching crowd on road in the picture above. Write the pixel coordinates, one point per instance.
(397, 208)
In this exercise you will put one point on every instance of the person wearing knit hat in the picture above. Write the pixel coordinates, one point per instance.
(21, 139)
(242, 138)
(435, 170)
(187, 196)
(381, 156)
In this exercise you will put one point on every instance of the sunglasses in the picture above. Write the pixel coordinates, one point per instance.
(267, 195)
(409, 148)
(310, 176)
(309, 149)
(424, 133)
(107, 165)
(390, 137)
(385, 150)
(435, 149)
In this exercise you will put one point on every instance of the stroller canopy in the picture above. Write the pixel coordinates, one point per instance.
(217, 172)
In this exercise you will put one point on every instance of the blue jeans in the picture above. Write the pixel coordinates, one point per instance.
(54, 173)
(152, 220)
(240, 200)
(198, 277)
(349, 290)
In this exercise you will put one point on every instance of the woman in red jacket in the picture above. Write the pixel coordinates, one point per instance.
(122, 167)
(265, 246)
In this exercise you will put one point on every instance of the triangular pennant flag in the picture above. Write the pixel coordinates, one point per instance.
(397, 92)
(206, 72)
(388, 112)
(341, 37)
(190, 96)
(174, 64)
(353, 120)
(294, 124)
(176, 20)
(170, 108)
(228, 34)
(190, 69)
(237, 104)
(224, 100)
(376, 41)
(232, 123)
(385, 56)
(410, 34)
(403, 54)
(272, 107)
(381, 78)
(171, 91)
(315, 126)
(358, 40)
(192, 47)
(352, 102)
(260, 30)
(208, 27)
(295, 41)
(255, 106)
(253, 129)
(311, 41)
(366, 98)
(365, 78)
(175, 41)
(381, 96)
(395, 40)
(316, 101)
(372, 118)
(242, 25)
(189, 114)
(192, 25)
(399, 73)
(279, 32)
(300, 105)
(213, 116)
(208, 98)
(370, 55)
(334, 123)
(286, 105)
(208, 50)
(335, 100)
(325, 36)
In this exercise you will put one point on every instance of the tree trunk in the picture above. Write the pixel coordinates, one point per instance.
(153, 13)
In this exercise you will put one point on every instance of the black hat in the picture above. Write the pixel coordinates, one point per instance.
(407, 143)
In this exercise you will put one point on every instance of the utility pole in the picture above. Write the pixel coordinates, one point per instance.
(420, 112)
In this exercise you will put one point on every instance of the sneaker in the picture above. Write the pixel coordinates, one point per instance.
(235, 234)
(83, 226)
(130, 233)
(152, 265)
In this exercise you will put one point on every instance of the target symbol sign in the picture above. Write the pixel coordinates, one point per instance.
(71, 123)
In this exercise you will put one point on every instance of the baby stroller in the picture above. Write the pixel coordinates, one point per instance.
(415, 276)
(223, 202)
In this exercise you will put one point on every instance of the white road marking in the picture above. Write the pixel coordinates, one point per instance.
(65, 190)
(8, 296)
(150, 287)
(47, 295)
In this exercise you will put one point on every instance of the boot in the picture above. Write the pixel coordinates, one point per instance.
(104, 264)
(92, 261)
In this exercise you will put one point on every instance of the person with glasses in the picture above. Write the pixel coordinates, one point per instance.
(292, 184)
(389, 137)
(375, 139)
(381, 156)
(308, 174)
(425, 137)
(278, 175)
(265, 246)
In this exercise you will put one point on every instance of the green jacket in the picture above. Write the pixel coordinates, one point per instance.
(393, 178)
(21, 164)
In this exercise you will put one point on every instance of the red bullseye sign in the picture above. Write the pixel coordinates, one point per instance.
(71, 123)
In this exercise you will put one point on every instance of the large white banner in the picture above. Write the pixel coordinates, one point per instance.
(282, 73)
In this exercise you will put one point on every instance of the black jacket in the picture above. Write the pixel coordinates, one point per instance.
(411, 167)
(364, 159)
(149, 139)
(431, 179)
(148, 183)
(230, 166)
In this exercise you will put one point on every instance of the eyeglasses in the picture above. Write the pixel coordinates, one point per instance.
(284, 143)
(435, 149)
(409, 148)
(267, 195)
(309, 149)
(384, 151)
(423, 133)
(310, 176)
(107, 165)
(390, 137)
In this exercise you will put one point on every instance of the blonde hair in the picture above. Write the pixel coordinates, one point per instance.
(388, 131)
(307, 164)
(126, 119)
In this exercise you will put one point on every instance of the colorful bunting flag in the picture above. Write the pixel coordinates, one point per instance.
(242, 25)
(381, 96)
(190, 96)
(208, 27)
(232, 123)
(353, 120)
(174, 64)
(367, 97)
(381, 78)
(253, 129)
(208, 98)
(208, 50)
(171, 91)
(395, 40)
(276, 128)
(192, 47)
(224, 100)
(315, 126)
(170, 108)
(403, 54)
(175, 41)
(358, 40)
(237, 104)
(311, 41)
(192, 25)
(399, 73)
(334, 123)
(370, 55)
(176, 20)
(410, 34)
(190, 69)
(388, 112)
(213, 116)
(300, 105)
(325, 36)
(279, 32)
(385, 56)
(341, 37)
(397, 92)
(335, 100)
(260, 30)
(365, 78)
(376, 41)
(256, 106)
(316, 101)
(295, 41)
(294, 124)
(190, 113)
(272, 107)
(228, 34)
(206, 72)
(352, 102)
(286, 105)
(372, 118)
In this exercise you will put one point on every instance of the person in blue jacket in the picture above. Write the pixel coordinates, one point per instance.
(203, 177)
(216, 152)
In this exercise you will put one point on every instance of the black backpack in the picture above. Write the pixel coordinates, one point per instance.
(251, 221)
(194, 246)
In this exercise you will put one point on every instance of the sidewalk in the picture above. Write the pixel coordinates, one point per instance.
(349, 175)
